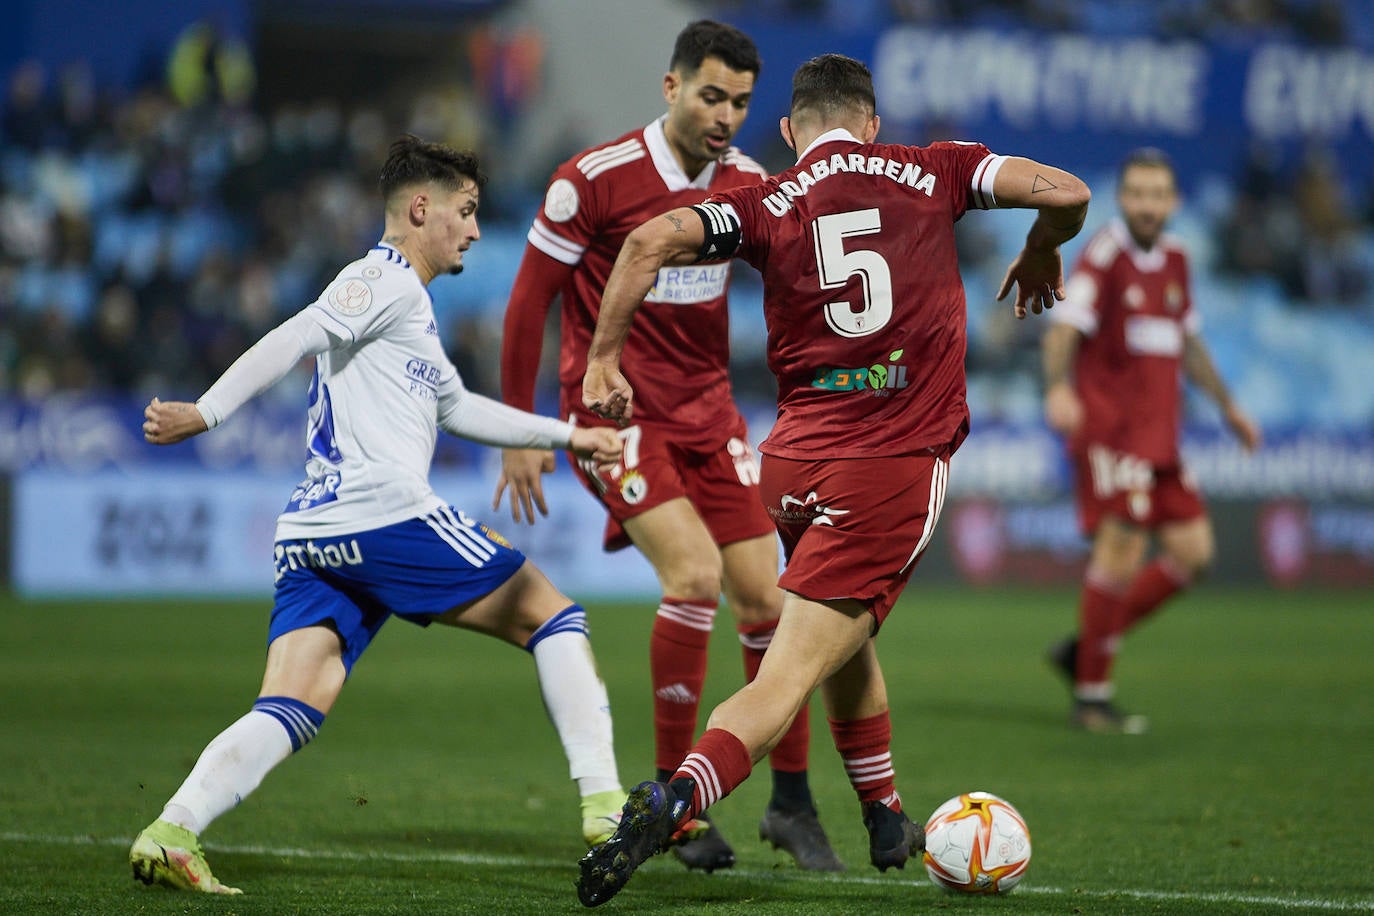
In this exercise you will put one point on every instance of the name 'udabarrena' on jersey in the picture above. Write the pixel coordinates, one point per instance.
(382, 387)
(680, 345)
(869, 357)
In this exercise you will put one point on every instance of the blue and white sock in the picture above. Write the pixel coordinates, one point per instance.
(575, 699)
(235, 762)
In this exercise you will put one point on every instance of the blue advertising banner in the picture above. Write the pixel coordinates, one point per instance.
(1083, 101)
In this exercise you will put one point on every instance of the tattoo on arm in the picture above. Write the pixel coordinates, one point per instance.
(1041, 183)
(677, 223)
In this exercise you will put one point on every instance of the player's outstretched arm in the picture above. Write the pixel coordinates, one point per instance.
(673, 238)
(1201, 371)
(1061, 198)
(259, 368)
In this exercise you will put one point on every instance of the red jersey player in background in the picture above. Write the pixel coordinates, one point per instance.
(686, 493)
(866, 335)
(1113, 389)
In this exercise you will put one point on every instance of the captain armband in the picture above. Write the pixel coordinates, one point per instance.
(723, 233)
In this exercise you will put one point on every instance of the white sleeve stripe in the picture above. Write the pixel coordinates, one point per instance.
(610, 152)
(719, 224)
(731, 215)
(607, 164)
(554, 245)
(983, 179)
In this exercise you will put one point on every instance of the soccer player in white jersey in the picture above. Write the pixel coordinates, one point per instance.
(364, 537)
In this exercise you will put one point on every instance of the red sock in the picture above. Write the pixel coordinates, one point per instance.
(717, 764)
(677, 667)
(1099, 612)
(1157, 583)
(791, 753)
(865, 745)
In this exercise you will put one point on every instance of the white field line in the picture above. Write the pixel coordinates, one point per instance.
(466, 858)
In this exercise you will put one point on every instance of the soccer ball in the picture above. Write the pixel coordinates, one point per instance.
(977, 843)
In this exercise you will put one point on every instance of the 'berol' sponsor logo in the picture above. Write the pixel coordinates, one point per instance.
(308, 555)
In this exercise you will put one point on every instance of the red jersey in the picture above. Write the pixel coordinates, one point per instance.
(862, 294)
(678, 351)
(1134, 311)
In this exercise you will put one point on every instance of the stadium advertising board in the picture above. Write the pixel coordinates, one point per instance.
(1040, 94)
(95, 510)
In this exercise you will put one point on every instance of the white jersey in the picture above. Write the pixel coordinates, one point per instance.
(373, 403)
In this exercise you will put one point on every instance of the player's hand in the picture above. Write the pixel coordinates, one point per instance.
(1246, 430)
(167, 422)
(607, 393)
(522, 470)
(1063, 409)
(1038, 275)
(599, 443)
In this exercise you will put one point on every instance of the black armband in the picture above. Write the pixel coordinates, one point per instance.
(723, 234)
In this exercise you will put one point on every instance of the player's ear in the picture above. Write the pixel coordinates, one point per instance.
(419, 208)
(785, 128)
(672, 84)
(870, 130)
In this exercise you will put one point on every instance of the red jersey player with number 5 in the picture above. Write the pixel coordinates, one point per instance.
(866, 335)
(1113, 388)
(686, 490)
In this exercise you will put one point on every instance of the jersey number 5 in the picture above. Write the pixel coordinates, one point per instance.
(836, 266)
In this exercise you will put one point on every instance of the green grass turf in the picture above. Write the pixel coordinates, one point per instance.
(437, 785)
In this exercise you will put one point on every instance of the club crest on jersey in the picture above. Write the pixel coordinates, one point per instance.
(1134, 297)
(879, 379)
(560, 203)
(1173, 297)
(633, 487)
(351, 297)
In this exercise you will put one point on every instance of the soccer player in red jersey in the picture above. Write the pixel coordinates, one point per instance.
(686, 492)
(866, 335)
(1113, 388)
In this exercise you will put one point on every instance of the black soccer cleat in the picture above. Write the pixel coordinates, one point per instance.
(706, 849)
(800, 835)
(892, 837)
(649, 818)
(1063, 657)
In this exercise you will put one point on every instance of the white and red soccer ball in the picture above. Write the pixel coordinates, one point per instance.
(977, 843)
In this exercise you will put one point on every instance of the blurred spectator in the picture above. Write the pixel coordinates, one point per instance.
(207, 66)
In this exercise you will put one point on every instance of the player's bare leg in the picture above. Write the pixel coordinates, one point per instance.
(688, 564)
(1186, 552)
(790, 822)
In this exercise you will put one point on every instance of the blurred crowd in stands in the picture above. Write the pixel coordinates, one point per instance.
(147, 239)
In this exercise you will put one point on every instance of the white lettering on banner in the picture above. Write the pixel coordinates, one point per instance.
(690, 285)
(1153, 335)
(1031, 81)
(1293, 92)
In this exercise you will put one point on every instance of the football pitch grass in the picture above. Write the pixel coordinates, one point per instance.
(437, 785)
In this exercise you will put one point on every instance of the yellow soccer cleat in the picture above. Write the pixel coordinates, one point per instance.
(601, 815)
(171, 856)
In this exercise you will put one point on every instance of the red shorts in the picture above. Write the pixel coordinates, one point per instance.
(1110, 484)
(722, 483)
(856, 527)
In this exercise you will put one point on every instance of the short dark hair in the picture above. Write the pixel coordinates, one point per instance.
(413, 161)
(706, 38)
(1147, 157)
(832, 84)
